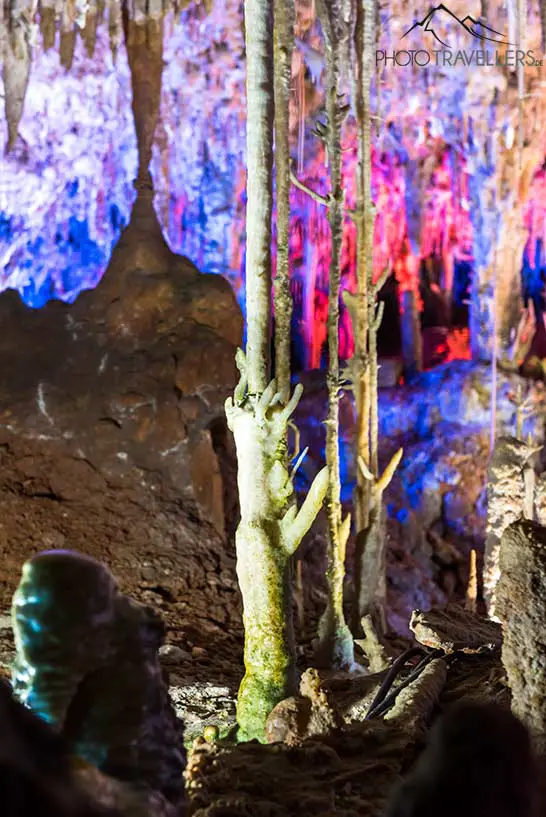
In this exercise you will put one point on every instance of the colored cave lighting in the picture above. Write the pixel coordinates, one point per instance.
(66, 194)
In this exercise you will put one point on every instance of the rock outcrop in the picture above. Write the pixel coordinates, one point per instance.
(135, 373)
(509, 497)
(521, 606)
(87, 662)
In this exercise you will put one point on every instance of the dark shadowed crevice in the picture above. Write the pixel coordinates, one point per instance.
(224, 448)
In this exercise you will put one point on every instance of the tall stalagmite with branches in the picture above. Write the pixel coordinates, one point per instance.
(370, 568)
(284, 45)
(271, 527)
(336, 643)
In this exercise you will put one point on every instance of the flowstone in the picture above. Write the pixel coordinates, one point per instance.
(87, 663)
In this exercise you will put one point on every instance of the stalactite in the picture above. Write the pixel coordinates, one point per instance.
(16, 71)
(48, 23)
(89, 33)
(521, 41)
(259, 200)
(284, 42)
(301, 119)
(67, 48)
(114, 27)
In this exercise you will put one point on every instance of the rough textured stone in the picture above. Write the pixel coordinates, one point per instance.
(87, 662)
(506, 502)
(110, 375)
(309, 715)
(521, 606)
(119, 798)
(454, 628)
(289, 721)
(540, 499)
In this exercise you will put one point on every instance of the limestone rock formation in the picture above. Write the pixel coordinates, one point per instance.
(455, 629)
(135, 373)
(309, 715)
(87, 663)
(540, 499)
(507, 501)
(521, 606)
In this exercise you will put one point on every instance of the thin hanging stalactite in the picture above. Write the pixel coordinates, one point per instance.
(259, 195)
(521, 28)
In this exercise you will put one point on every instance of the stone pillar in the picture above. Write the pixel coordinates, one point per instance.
(506, 503)
(143, 237)
(521, 606)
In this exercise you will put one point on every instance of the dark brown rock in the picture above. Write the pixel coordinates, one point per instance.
(110, 377)
(289, 721)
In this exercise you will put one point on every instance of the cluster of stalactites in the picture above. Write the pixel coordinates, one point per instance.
(60, 22)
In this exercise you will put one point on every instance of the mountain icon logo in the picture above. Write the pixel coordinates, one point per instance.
(438, 16)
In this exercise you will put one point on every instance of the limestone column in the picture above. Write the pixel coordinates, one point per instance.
(507, 502)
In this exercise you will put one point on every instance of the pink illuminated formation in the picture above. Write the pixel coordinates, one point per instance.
(446, 233)
(67, 192)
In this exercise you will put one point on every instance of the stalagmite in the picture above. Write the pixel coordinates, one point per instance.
(271, 527)
(366, 315)
(88, 663)
(506, 502)
(336, 643)
(284, 42)
(521, 606)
